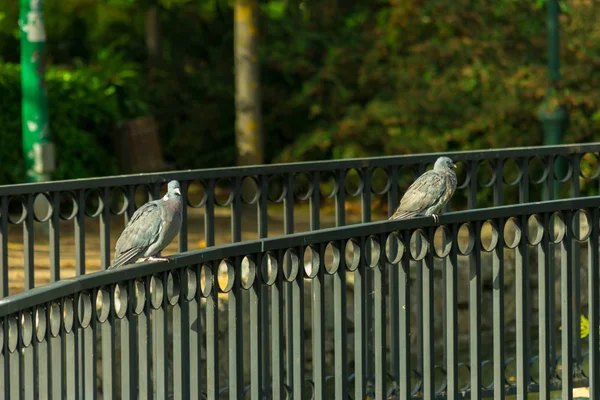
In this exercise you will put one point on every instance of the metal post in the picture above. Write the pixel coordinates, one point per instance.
(37, 148)
(552, 113)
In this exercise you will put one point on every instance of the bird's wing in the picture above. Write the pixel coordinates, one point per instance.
(421, 195)
(142, 230)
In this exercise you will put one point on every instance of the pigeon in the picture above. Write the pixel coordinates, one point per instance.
(151, 228)
(428, 195)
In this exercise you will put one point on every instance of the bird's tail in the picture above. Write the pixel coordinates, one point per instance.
(125, 258)
(401, 214)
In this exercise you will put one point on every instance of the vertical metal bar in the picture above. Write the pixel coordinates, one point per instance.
(475, 313)
(181, 318)
(194, 329)
(15, 381)
(419, 297)
(236, 211)
(178, 354)
(360, 329)
(550, 178)
(109, 373)
(576, 278)
(498, 286)
(428, 320)
(365, 201)
(522, 309)
(546, 360)
(498, 311)
(56, 349)
(108, 327)
(90, 357)
(475, 290)
(499, 181)
(277, 336)
(566, 299)
(262, 205)
(340, 334)
(212, 336)
(29, 361)
(263, 230)
(288, 227)
(181, 346)
(234, 303)
(524, 182)
(340, 199)
(452, 316)
(392, 197)
(256, 329)
(297, 289)
(549, 189)
(235, 328)
(71, 358)
(594, 303)
(43, 359)
(159, 342)
(28, 242)
(339, 299)
(130, 202)
(129, 366)
(183, 232)
(4, 369)
(54, 237)
(380, 313)
(105, 229)
(3, 246)
(209, 213)
(318, 297)
(80, 233)
(405, 346)
(144, 344)
(394, 273)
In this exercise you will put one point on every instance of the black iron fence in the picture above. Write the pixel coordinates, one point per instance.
(210, 323)
(78, 215)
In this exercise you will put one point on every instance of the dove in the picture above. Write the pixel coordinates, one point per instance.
(151, 228)
(428, 195)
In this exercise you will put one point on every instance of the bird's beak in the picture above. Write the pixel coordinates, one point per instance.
(177, 191)
(453, 165)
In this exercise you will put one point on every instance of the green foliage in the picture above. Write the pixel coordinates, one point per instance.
(84, 105)
(444, 75)
(338, 79)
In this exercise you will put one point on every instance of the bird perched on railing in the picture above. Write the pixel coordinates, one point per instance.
(428, 195)
(151, 228)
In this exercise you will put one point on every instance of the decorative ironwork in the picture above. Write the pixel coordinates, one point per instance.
(167, 332)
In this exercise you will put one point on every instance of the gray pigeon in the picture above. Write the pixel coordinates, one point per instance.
(151, 228)
(428, 195)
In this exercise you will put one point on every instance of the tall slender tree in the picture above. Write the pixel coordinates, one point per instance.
(248, 121)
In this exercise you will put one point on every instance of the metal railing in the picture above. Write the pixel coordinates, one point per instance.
(164, 329)
(492, 177)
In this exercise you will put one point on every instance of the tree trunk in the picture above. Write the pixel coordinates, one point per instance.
(248, 120)
(153, 38)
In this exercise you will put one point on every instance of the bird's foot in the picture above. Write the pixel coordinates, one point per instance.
(159, 258)
(436, 218)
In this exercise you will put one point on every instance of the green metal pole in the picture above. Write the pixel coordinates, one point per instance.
(552, 114)
(37, 148)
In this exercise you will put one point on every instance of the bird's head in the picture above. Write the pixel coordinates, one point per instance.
(173, 190)
(443, 163)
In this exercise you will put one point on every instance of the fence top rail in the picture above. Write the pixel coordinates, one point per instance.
(298, 167)
(67, 287)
